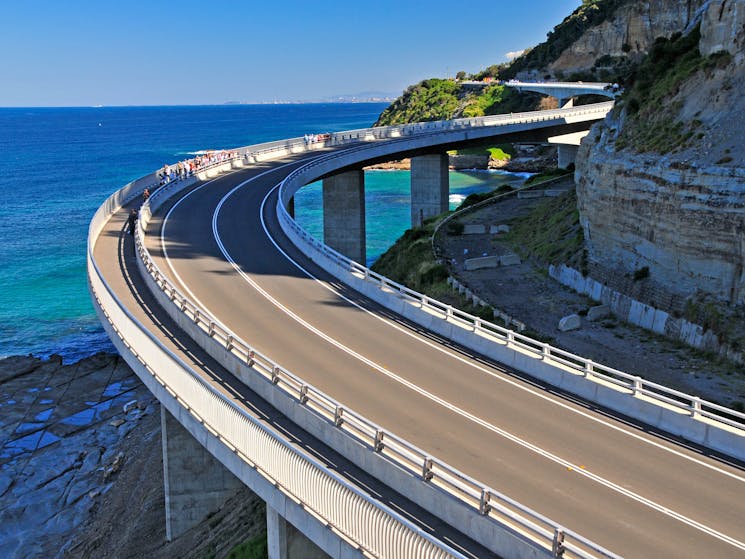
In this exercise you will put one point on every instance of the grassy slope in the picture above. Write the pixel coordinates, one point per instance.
(550, 233)
(437, 99)
(652, 124)
(410, 261)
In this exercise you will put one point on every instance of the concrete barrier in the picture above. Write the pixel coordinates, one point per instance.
(509, 260)
(474, 229)
(481, 263)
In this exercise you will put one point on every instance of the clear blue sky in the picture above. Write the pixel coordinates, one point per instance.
(136, 52)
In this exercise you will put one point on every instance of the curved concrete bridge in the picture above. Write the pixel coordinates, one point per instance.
(380, 433)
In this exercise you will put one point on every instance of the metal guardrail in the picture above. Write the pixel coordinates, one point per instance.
(376, 529)
(482, 499)
(636, 385)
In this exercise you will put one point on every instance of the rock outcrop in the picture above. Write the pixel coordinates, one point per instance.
(81, 472)
(723, 29)
(680, 215)
(630, 31)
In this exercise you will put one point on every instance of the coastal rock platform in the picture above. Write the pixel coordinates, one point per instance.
(80, 477)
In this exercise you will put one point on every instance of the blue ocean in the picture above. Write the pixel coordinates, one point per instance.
(57, 165)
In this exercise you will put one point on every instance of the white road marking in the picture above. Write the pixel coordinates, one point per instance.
(525, 444)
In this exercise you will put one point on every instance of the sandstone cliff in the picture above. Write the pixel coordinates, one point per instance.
(677, 217)
(630, 31)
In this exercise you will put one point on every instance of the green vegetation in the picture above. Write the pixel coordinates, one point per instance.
(653, 125)
(641, 273)
(501, 152)
(437, 99)
(550, 233)
(726, 322)
(478, 197)
(410, 261)
(432, 99)
(255, 548)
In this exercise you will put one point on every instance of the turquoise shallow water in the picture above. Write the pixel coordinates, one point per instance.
(387, 203)
(57, 165)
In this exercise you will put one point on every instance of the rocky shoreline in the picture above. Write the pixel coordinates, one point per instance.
(526, 160)
(81, 472)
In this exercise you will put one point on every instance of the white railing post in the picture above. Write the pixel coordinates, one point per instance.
(545, 351)
(696, 407)
(588, 368)
(638, 385)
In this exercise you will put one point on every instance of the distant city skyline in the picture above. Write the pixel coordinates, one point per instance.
(88, 53)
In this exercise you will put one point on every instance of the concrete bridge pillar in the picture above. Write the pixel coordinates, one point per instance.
(284, 541)
(566, 103)
(430, 187)
(344, 214)
(567, 155)
(196, 483)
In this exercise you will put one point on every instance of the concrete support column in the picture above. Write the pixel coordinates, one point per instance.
(284, 541)
(430, 187)
(196, 484)
(567, 155)
(567, 103)
(344, 214)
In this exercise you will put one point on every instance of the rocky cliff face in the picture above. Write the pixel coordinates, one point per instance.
(631, 30)
(682, 216)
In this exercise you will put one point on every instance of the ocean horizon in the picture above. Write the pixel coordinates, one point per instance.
(60, 163)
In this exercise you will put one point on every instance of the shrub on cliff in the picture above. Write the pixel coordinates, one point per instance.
(653, 124)
(432, 99)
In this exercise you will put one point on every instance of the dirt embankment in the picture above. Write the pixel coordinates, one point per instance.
(526, 293)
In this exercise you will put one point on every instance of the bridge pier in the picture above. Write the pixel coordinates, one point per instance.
(344, 214)
(430, 187)
(565, 102)
(567, 155)
(284, 541)
(196, 483)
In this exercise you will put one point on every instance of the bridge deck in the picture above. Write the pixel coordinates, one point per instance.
(114, 251)
(632, 491)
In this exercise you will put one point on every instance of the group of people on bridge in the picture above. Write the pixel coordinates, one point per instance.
(315, 138)
(188, 167)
